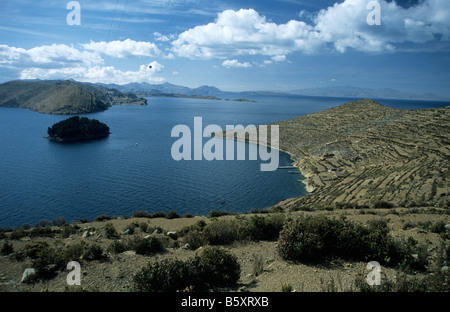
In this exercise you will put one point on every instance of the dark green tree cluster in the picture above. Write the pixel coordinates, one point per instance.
(76, 128)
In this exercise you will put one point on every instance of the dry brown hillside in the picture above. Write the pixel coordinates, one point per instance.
(363, 153)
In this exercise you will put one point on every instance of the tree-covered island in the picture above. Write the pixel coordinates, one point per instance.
(76, 129)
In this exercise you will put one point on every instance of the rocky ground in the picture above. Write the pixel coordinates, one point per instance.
(115, 272)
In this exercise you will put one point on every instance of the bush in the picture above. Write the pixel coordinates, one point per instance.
(264, 228)
(17, 234)
(68, 230)
(141, 214)
(83, 220)
(167, 275)
(110, 231)
(172, 215)
(74, 252)
(7, 248)
(143, 226)
(216, 213)
(59, 221)
(94, 252)
(43, 223)
(33, 249)
(103, 217)
(147, 246)
(215, 267)
(222, 268)
(195, 238)
(304, 239)
(223, 232)
(383, 204)
(47, 261)
(159, 214)
(314, 238)
(45, 231)
(117, 247)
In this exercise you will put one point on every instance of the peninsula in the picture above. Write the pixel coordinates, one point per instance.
(77, 129)
(364, 154)
(63, 97)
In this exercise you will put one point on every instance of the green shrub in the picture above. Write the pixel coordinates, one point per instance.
(216, 213)
(110, 231)
(159, 214)
(195, 238)
(383, 204)
(264, 228)
(94, 252)
(59, 221)
(103, 217)
(172, 215)
(17, 234)
(33, 249)
(304, 239)
(141, 214)
(43, 223)
(117, 247)
(131, 227)
(215, 267)
(223, 232)
(314, 238)
(7, 248)
(74, 252)
(83, 220)
(43, 231)
(167, 275)
(47, 261)
(147, 246)
(380, 245)
(68, 230)
(222, 268)
(143, 226)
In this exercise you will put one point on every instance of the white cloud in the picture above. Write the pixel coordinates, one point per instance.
(243, 32)
(339, 27)
(235, 64)
(59, 61)
(48, 56)
(279, 58)
(161, 37)
(104, 74)
(122, 49)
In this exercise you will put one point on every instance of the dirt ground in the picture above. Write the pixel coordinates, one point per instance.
(115, 273)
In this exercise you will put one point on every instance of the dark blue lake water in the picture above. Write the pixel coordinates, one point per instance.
(40, 179)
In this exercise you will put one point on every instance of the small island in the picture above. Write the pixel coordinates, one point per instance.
(75, 129)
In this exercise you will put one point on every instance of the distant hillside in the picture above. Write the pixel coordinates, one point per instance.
(144, 89)
(63, 97)
(356, 92)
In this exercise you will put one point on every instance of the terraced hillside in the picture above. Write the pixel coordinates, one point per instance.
(363, 153)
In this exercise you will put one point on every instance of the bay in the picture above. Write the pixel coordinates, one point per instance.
(133, 170)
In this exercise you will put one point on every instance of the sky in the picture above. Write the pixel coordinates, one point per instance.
(257, 45)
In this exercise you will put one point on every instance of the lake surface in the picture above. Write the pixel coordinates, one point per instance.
(133, 170)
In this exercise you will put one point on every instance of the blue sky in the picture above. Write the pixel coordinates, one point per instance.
(234, 45)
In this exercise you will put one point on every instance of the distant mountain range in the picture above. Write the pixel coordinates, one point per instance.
(70, 97)
(330, 91)
(356, 92)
